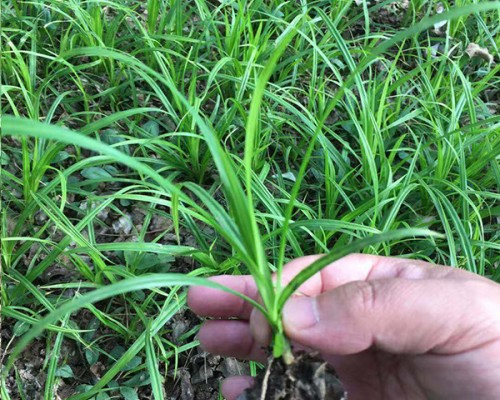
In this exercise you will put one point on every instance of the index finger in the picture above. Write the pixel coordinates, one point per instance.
(355, 267)
(208, 302)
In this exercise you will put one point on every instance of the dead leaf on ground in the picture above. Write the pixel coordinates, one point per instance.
(440, 24)
(473, 50)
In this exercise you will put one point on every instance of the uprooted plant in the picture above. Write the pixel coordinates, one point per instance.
(237, 224)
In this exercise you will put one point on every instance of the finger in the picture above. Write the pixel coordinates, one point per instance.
(234, 338)
(360, 267)
(260, 328)
(234, 386)
(219, 304)
(359, 385)
(216, 303)
(230, 338)
(399, 316)
(350, 268)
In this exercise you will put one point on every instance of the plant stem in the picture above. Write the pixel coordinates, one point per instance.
(281, 346)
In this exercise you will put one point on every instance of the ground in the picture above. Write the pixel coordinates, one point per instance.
(358, 138)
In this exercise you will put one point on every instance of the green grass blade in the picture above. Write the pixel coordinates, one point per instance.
(171, 307)
(54, 359)
(124, 286)
(12, 126)
(152, 365)
(359, 245)
(412, 31)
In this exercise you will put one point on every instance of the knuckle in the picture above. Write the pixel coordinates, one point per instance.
(482, 295)
(364, 295)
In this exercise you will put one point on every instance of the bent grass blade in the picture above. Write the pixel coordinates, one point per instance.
(357, 246)
(125, 286)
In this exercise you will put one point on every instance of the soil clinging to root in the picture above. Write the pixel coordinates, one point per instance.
(306, 378)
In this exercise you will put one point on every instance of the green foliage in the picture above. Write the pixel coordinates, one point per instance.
(240, 135)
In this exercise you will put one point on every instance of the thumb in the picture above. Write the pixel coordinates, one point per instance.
(397, 316)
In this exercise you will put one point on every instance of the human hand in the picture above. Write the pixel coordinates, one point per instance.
(392, 328)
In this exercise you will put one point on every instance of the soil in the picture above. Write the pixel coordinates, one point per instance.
(306, 378)
(198, 376)
(30, 368)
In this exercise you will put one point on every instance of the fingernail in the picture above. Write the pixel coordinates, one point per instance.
(300, 313)
(260, 328)
(201, 343)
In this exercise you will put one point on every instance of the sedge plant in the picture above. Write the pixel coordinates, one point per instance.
(237, 223)
(273, 296)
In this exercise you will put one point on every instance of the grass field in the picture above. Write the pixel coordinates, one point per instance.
(209, 137)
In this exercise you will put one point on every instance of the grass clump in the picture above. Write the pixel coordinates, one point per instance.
(146, 146)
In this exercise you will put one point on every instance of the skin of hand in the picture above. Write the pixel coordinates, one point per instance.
(392, 328)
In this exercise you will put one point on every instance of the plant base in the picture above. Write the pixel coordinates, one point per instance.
(306, 378)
